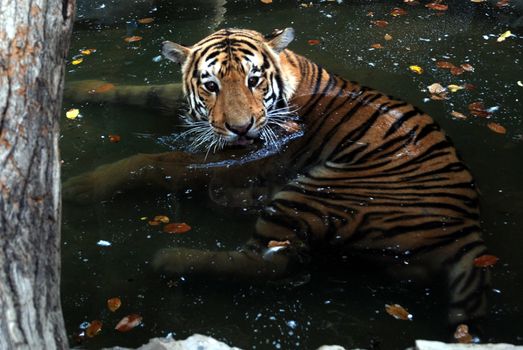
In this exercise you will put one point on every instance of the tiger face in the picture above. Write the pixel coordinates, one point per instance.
(235, 85)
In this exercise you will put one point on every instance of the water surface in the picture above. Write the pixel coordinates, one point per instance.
(326, 306)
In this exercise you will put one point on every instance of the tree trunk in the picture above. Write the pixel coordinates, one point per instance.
(34, 39)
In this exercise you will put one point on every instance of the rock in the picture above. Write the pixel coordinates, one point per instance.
(436, 345)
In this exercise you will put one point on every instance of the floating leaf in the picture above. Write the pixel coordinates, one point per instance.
(455, 88)
(104, 88)
(181, 227)
(504, 36)
(72, 113)
(387, 37)
(416, 69)
(436, 88)
(398, 12)
(520, 83)
(87, 52)
(502, 3)
(273, 244)
(444, 65)
(77, 61)
(128, 322)
(132, 39)
(485, 260)
(477, 109)
(380, 23)
(146, 20)
(114, 138)
(500, 129)
(462, 334)
(154, 223)
(94, 328)
(478, 1)
(456, 71)
(467, 67)
(437, 6)
(114, 304)
(266, 1)
(458, 115)
(377, 46)
(162, 218)
(469, 87)
(313, 41)
(398, 312)
(411, 2)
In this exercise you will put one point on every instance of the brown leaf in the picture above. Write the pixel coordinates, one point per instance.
(462, 334)
(467, 67)
(436, 88)
(273, 244)
(458, 115)
(146, 20)
(457, 71)
(411, 2)
(437, 6)
(162, 218)
(502, 3)
(485, 260)
(181, 227)
(469, 87)
(387, 37)
(94, 328)
(128, 322)
(398, 312)
(113, 138)
(114, 304)
(313, 42)
(500, 129)
(154, 223)
(398, 12)
(380, 23)
(291, 126)
(377, 46)
(477, 109)
(132, 39)
(266, 1)
(444, 65)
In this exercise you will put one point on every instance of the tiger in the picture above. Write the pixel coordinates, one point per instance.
(346, 170)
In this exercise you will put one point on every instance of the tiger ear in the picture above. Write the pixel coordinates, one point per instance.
(280, 39)
(175, 52)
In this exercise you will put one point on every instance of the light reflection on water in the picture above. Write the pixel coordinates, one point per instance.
(346, 306)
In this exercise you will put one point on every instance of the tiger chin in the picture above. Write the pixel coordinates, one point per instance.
(369, 175)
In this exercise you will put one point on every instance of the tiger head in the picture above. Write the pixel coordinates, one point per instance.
(235, 84)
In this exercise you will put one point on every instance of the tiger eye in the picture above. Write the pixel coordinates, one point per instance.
(211, 86)
(253, 81)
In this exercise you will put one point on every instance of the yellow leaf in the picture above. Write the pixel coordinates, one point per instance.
(387, 37)
(503, 36)
(143, 218)
(416, 69)
(87, 52)
(454, 88)
(72, 113)
(77, 61)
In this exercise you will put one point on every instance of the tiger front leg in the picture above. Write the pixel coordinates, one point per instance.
(157, 170)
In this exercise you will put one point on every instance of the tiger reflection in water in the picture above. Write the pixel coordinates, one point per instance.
(369, 175)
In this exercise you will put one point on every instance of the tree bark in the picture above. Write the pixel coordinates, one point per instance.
(34, 39)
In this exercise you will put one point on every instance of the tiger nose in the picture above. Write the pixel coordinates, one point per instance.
(241, 129)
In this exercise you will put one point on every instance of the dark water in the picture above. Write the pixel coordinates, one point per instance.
(348, 308)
